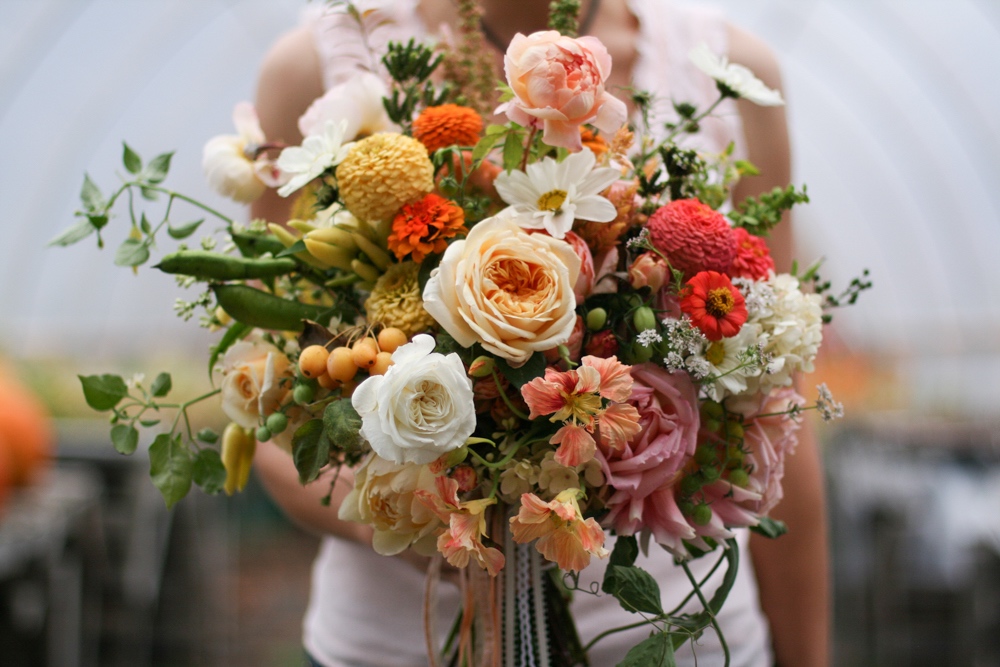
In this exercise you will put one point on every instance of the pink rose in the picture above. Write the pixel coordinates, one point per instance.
(585, 281)
(644, 471)
(558, 85)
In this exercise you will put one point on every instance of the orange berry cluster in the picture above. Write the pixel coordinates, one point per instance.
(339, 366)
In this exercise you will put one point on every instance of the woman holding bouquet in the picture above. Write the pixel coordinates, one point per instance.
(367, 610)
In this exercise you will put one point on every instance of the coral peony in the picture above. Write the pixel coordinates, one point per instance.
(558, 85)
(714, 305)
(753, 259)
(692, 236)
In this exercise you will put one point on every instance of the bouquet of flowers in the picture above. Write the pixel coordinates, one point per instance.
(521, 337)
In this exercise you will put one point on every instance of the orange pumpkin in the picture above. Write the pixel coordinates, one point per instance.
(26, 431)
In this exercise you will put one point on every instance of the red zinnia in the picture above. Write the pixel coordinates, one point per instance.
(714, 305)
(753, 259)
(693, 236)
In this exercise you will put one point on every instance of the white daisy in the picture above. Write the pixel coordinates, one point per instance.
(733, 361)
(317, 153)
(551, 195)
(733, 78)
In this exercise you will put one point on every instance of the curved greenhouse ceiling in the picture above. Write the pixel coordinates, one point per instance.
(892, 106)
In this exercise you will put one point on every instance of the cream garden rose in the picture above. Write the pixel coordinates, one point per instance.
(421, 408)
(506, 289)
(384, 496)
(252, 381)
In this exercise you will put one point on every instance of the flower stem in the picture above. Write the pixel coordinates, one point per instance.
(708, 610)
(506, 399)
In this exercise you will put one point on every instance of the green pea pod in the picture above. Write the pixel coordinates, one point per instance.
(255, 245)
(216, 266)
(266, 311)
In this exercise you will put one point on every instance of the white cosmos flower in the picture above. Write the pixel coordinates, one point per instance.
(737, 79)
(551, 195)
(317, 153)
(728, 360)
(358, 100)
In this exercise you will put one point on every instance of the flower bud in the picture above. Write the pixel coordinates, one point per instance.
(277, 422)
(648, 270)
(596, 319)
(466, 478)
(482, 367)
(238, 447)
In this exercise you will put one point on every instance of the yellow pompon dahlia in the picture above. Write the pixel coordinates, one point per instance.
(382, 173)
(395, 300)
(447, 125)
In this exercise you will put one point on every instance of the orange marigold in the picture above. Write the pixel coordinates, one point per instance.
(424, 227)
(447, 125)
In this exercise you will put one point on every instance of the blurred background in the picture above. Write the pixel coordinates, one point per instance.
(892, 105)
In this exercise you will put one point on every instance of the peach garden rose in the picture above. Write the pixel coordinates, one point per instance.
(558, 84)
(252, 384)
(506, 289)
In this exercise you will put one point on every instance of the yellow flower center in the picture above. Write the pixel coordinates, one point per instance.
(552, 200)
(719, 302)
(716, 353)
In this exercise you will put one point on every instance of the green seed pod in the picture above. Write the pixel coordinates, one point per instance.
(644, 319)
(596, 319)
(257, 308)
(640, 353)
(739, 477)
(217, 266)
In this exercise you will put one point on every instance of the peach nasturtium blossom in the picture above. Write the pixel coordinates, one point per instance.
(563, 535)
(462, 540)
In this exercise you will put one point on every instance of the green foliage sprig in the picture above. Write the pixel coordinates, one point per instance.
(410, 66)
(758, 215)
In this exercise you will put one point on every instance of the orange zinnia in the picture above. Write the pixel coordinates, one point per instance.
(424, 227)
(447, 125)
(593, 141)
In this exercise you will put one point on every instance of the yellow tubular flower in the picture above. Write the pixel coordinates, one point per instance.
(238, 447)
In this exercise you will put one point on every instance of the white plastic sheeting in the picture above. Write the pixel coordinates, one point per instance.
(892, 109)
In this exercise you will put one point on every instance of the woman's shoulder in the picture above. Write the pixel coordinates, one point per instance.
(290, 78)
(755, 54)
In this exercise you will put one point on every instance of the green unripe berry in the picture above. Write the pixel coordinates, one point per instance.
(702, 514)
(711, 473)
(712, 410)
(277, 422)
(596, 319)
(711, 425)
(705, 455)
(686, 507)
(734, 430)
(263, 434)
(691, 485)
(739, 477)
(303, 394)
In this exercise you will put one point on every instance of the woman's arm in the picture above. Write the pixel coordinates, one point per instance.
(792, 571)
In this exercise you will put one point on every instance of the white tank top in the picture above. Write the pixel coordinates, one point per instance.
(367, 610)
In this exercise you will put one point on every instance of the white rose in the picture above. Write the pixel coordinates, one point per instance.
(507, 289)
(421, 408)
(252, 381)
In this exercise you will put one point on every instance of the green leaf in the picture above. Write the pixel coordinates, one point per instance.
(297, 247)
(131, 252)
(103, 392)
(98, 220)
(513, 151)
(769, 527)
(161, 385)
(157, 168)
(656, 651)
(125, 438)
(77, 232)
(149, 422)
(342, 425)
(634, 588)
(131, 159)
(184, 230)
(235, 332)
(151, 195)
(170, 467)
(91, 196)
(310, 449)
(533, 368)
(208, 471)
(486, 144)
(144, 225)
(207, 435)
(625, 552)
